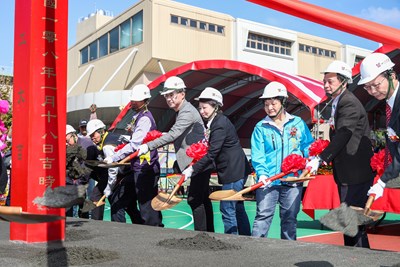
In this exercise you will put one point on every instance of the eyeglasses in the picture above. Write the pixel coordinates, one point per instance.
(170, 96)
(373, 86)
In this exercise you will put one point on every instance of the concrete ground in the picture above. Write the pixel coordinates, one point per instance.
(101, 243)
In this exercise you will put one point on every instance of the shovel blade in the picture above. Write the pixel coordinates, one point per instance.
(221, 194)
(15, 214)
(164, 201)
(370, 217)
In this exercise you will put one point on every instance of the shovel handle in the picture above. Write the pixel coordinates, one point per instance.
(270, 179)
(10, 210)
(101, 200)
(368, 205)
(131, 156)
(304, 173)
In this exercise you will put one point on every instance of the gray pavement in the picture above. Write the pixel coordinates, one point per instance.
(100, 243)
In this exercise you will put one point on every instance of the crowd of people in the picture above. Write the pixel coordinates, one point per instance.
(130, 189)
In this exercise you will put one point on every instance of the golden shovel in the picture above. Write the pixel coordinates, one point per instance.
(15, 214)
(165, 201)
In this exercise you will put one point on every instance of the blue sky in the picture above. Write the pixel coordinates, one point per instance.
(385, 12)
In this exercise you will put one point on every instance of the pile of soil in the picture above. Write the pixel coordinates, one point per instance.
(201, 241)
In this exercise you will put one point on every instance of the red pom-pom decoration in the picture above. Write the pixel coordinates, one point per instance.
(197, 150)
(317, 147)
(293, 163)
(378, 160)
(152, 135)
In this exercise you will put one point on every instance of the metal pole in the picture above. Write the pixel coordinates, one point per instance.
(161, 67)
(80, 78)
(134, 51)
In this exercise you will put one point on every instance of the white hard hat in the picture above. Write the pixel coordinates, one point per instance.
(173, 83)
(340, 67)
(94, 125)
(211, 93)
(274, 89)
(140, 92)
(373, 65)
(70, 129)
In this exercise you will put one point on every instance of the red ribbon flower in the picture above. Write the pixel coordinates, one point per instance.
(293, 163)
(317, 147)
(378, 160)
(152, 135)
(197, 150)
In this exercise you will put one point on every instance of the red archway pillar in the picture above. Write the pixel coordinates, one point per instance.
(39, 112)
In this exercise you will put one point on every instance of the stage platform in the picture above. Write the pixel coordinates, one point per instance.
(102, 243)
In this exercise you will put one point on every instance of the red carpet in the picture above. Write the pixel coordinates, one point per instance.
(385, 237)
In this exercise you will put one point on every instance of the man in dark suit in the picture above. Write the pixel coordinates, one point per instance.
(381, 82)
(350, 149)
(227, 155)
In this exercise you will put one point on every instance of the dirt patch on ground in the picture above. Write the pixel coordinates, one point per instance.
(71, 256)
(201, 241)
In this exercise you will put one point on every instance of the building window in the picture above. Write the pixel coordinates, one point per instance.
(196, 24)
(130, 32)
(266, 43)
(125, 34)
(357, 60)
(317, 51)
(211, 27)
(85, 55)
(184, 21)
(174, 19)
(103, 45)
(203, 25)
(93, 51)
(193, 23)
(114, 40)
(137, 28)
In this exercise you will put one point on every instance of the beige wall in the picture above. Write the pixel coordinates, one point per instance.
(172, 44)
(104, 67)
(185, 44)
(312, 65)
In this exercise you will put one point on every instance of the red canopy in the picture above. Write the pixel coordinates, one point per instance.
(241, 85)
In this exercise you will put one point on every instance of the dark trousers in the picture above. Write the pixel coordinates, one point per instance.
(146, 185)
(123, 200)
(97, 193)
(356, 195)
(199, 190)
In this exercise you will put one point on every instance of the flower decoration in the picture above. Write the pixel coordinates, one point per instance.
(4, 108)
(377, 161)
(293, 131)
(197, 150)
(152, 135)
(293, 163)
(392, 135)
(317, 147)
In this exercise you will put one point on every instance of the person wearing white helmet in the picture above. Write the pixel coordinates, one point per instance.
(350, 148)
(109, 183)
(275, 137)
(187, 130)
(76, 171)
(381, 81)
(146, 168)
(227, 155)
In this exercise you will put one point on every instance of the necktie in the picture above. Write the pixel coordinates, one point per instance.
(388, 115)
